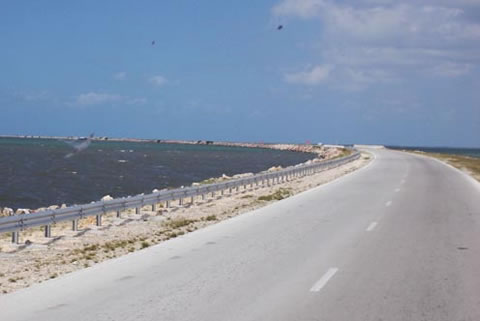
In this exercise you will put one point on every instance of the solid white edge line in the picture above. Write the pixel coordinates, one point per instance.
(371, 226)
(323, 280)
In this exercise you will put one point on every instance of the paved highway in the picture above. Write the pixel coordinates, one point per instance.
(397, 240)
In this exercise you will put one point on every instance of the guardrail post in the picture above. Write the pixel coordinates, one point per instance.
(137, 210)
(75, 225)
(237, 188)
(221, 193)
(213, 194)
(180, 201)
(203, 197)
(15, 237)
(167, 204)
(230, 190)
(99, 220)
(48, 231)
(192, 199)
(154, 207)
(119, 213)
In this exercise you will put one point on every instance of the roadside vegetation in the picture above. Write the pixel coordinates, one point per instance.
(344, 152)
(279, 194)
(468, 164)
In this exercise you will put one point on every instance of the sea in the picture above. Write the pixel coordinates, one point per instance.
(472, 152)
(38, 173)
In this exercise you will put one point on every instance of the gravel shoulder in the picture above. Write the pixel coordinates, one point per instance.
(38, 259)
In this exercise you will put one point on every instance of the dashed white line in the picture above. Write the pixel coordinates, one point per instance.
(371, 226)
(323, 280)
(397, 190)
(387, 204)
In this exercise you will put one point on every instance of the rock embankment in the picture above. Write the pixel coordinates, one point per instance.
(321, 152)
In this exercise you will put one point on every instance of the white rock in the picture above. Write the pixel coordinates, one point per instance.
(7, 211)
(225, 176)
(107, 198)
(242, 175)
(22, 211)
(195, 184)
(53, 207)
(63, 206)
(155, 191)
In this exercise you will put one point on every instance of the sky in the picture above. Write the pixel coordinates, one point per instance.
(364, 71)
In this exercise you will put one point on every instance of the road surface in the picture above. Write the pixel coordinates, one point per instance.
(396, 240)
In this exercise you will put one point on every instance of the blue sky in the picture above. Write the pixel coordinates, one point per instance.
(367, 71)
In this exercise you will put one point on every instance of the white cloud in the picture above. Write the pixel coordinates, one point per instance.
(301, 8)
(122, 75)
(451, 69)
(94, 98)
(371, 41)
(314, 76)
(158, 80)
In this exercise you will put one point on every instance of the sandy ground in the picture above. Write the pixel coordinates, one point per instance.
(38, 258)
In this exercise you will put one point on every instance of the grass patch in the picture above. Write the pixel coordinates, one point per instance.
(144, 244)
(173, 224)
(344, 152)
(211, 218)
(247, 196)
(208, 181)
(113, 245)
(279, 194)
(92, 247)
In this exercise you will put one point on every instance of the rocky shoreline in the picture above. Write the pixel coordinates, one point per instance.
(320, 151)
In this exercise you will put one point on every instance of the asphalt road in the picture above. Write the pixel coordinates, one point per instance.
(397, 240)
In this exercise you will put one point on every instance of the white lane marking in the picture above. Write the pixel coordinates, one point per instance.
(397, 190)
(323, 280)
(371, 226)
(387, 204)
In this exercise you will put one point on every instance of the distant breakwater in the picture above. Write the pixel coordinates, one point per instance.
(36, 174)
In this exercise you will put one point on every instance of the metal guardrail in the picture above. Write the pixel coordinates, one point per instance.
(46, 218)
